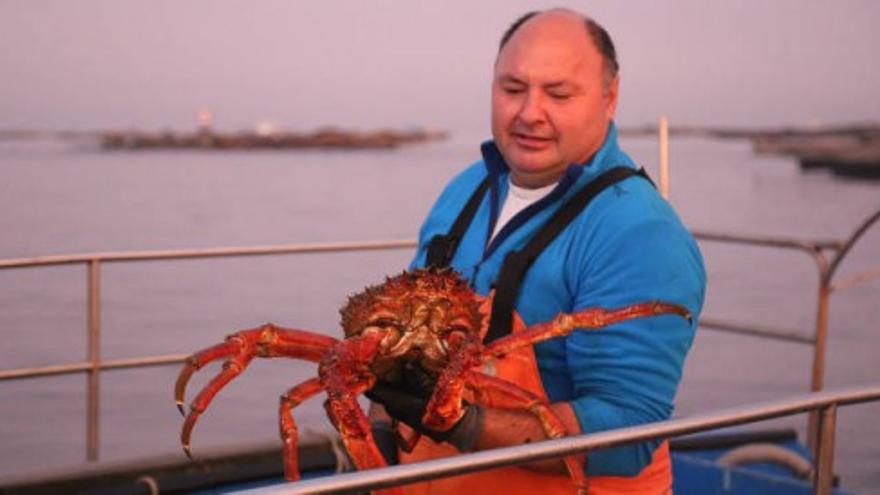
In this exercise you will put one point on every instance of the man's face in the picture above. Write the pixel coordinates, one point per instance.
(550, 105)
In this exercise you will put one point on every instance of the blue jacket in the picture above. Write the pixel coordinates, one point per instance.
(627, 246)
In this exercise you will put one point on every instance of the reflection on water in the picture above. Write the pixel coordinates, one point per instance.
(58, 200)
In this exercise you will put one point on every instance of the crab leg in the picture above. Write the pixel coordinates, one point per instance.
(344, 375)
(289, 432)
(239, 349)
(551, 424)
(590, 318)
(445, 408)
(355, 430)
(231, 368)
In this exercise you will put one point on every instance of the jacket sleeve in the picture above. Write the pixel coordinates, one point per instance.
(627, 374)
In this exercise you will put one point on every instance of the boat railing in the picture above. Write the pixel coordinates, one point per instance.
(827, 256)
(94, 364)
(824, 403)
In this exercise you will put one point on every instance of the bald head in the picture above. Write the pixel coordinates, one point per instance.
(567, 18)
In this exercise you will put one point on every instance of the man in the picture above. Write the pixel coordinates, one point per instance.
(554, 95)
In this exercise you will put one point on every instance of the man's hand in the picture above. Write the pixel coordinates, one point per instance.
(386, 441)
(407, 401)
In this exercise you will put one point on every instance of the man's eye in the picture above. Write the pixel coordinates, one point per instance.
(513, 90)
(560, 96)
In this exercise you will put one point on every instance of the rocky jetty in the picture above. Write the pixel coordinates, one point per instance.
(850, 151)
(265, 139)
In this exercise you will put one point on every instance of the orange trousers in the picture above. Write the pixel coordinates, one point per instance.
(521, 368)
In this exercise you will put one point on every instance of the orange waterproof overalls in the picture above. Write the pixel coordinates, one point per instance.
(521, 368)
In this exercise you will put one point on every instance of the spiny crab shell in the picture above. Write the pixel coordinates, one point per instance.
(423, 315)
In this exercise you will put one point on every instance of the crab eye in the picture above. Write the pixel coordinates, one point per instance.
(455, 333)
(388, 326)
(457, 329)
(369, 330)
(461, 325)
(390, 333)
(384, 323)
(379, 325)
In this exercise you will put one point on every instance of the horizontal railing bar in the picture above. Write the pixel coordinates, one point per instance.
(326, 247)
(329, 247)
(535, 451)
(71, 368)
(38, 371)
(754, 331)
(769, 241)
(117, 364)
(138, 362)
(108, 364)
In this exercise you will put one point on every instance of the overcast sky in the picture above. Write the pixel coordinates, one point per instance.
(114, 63)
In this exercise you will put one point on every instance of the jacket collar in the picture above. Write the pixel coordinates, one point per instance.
(576, 175)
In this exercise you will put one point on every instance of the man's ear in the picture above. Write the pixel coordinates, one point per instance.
(611, 93)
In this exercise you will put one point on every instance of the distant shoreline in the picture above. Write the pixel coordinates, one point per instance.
(720, 132)
(849, 149)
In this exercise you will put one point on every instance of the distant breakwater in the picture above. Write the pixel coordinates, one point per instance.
(849, 150)
(322, 138)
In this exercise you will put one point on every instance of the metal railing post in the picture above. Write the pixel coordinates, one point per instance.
(820, 339)
(824, 472)
(94, 359)
(818, 378)
(826, 276)
(663, 132)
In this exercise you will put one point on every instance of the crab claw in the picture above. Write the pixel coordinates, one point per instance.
(186, 432)
(231, 369)
(180, 386)
(194, 363)
(236, 348)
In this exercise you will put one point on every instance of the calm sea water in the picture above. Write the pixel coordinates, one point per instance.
(62, 197)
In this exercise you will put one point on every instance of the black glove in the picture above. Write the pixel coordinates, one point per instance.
(407, 402)
(386, 440)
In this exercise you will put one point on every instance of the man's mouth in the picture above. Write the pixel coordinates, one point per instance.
(531, 141)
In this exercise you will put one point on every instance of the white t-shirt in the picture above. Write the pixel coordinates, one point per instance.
(518, 199)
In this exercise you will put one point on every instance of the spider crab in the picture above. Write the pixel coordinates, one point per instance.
(428, 318)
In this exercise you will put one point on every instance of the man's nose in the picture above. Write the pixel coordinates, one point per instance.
(532, 108)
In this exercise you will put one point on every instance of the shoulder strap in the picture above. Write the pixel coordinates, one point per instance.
(441, 248)
(515, 265)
